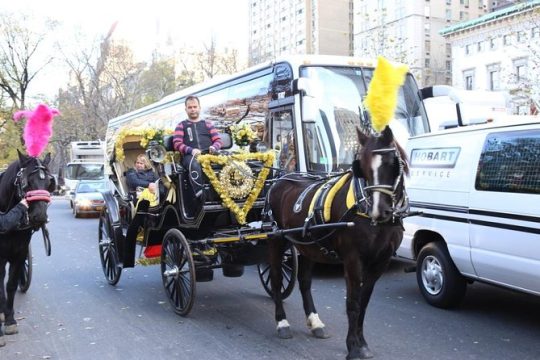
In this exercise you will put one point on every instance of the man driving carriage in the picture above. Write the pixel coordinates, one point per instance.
(193, 136)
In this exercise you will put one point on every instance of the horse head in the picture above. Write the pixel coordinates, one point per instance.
(380, 165)
(35, 183)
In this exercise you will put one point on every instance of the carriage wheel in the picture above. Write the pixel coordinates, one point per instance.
(26, 275)
(108, 249)
(289, 272)
(178, 271)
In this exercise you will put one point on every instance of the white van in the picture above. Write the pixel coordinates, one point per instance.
(478, 188)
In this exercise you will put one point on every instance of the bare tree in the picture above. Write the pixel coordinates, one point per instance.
(19, 47)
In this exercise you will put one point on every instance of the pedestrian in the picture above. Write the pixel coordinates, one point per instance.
(193, 136)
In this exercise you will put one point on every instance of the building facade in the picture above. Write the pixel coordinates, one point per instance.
(408, 31)
(290, 27)
(500, 51)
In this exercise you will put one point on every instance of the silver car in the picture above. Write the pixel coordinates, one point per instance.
(87, 198)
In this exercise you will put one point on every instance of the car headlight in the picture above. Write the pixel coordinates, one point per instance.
(84, 202)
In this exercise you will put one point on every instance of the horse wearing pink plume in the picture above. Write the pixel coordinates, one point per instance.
(26, 178)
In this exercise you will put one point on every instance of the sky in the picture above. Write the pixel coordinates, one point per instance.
(188, 23)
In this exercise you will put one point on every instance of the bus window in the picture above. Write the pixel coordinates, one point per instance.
(283, 140)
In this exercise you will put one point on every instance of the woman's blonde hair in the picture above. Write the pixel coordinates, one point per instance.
(142, 158)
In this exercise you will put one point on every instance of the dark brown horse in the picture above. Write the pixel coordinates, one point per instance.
(372, 199)
(28, 178)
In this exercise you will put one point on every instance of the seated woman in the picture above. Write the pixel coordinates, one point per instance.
(142, 176)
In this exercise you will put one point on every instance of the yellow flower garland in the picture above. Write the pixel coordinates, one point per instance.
(237, 177)
(206, 162)
(146, 135)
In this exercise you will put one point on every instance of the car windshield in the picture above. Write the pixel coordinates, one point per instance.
(88, 187)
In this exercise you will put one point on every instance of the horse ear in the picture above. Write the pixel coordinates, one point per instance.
(387, 135)
(47, 159)
(22, 157)
(362, 138)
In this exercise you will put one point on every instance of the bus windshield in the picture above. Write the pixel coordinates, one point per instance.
(82, 171)
(331, 140)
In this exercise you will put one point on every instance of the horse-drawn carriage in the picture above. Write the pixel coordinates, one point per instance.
(332, 185)
(190, 237)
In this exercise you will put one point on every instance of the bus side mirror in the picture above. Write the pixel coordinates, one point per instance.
(308, 94)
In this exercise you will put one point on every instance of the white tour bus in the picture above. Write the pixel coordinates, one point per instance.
(306, 107)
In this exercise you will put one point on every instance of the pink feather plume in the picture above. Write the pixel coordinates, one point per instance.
(38, 128)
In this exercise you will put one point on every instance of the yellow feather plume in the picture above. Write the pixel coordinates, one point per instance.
(381, 99)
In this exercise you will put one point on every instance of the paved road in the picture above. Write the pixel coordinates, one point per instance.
(71, 313)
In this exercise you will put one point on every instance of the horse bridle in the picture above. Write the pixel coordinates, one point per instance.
(21, 184)
(363, 192)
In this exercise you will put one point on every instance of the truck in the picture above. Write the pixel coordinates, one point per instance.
(87, 162)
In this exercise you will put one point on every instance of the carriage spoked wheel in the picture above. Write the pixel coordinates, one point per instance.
(26, 275)
(178, 271)
(289, 272)
(108, 249)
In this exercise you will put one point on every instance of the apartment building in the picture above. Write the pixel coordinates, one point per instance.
(408, 31)
(500, 51)
(288, 27)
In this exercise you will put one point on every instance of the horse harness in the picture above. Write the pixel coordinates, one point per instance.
(358, 202)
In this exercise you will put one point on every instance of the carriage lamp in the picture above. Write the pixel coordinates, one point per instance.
(156, 152)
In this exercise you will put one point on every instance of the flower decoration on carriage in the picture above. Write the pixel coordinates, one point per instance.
(242, 134)
(237, 180)
(145, 134)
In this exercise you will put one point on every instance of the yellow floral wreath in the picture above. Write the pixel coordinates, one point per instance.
(146, 135)
(224, 190)
(237, 178)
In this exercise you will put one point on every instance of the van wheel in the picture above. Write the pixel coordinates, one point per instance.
(439, 280)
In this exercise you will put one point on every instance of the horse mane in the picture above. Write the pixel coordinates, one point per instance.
(6, 186)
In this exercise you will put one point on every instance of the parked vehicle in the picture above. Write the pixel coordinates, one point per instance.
(478, 188)
(88, 198)
(87, 162)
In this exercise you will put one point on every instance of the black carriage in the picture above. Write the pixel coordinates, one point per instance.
(189, 238)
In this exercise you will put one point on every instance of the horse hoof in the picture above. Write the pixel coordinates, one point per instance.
(11, 329)
(319, 333)
(284, 333)
(362, 353)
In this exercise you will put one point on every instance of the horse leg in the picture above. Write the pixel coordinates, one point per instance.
(2, 299)
(358, 294)
(276, 250)
(15, 269)
(305, 271)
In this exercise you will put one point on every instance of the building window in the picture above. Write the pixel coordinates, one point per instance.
(494, 77)
(448, 65)
(468, 79)
(463, 15)
(521, 36)
(427, 63)
(448, 15)
(535, 32)
(507, 40)
(468, 49)
(448, 2)
(520, 70)
(428, 46)
(481, 46)
(493, 43)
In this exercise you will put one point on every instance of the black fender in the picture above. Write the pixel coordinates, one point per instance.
(112, 206)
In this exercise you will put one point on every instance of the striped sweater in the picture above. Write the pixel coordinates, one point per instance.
(195, 134)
